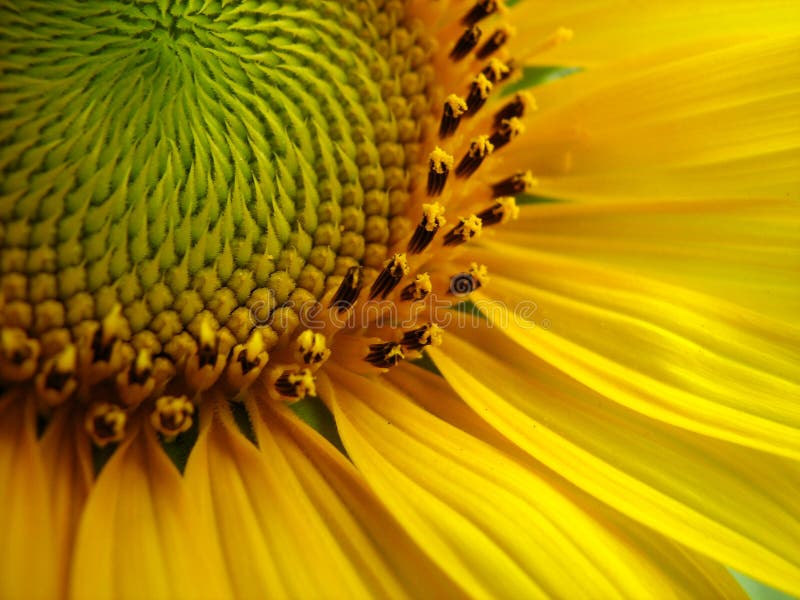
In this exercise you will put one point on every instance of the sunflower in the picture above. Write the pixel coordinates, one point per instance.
(317, 299)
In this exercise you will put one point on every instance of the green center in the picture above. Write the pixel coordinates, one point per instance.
(184, 157)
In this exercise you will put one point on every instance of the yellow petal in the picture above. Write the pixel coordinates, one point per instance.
(68, 465)
(275, 508)
(609, 30)
(722, 124)
(691, 360)
(736, 505)
(29, 565)
(140, 536)
(745, 252)
(497, 528)
(689, 573)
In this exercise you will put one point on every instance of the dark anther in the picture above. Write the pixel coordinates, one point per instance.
(479, 91)
(100, 352)
(518, 183)
(479, 149)
(497, 39)
(348, 290)
(496, 71)
(432, 220)
(508, 130)
(247, 365)
(393, 271)
(297, 384)
(481, 10)
(385, 355)
(417, 289)
(504, 209)
(56, 380)
(206, 355)
(467, 228)
(454, 109)
(426, 335)
(440, 163)
(138, 376)
(468, 40)
(513, 109)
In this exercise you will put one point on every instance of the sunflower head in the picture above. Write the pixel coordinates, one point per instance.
(203, 198)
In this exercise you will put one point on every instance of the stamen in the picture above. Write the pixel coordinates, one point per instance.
(440, 165)
(393, 271)
(348, 290)
(495, 41)
(518, 183)
(432, 220)
(427, 335)
(468, 40)
(206, 364)
(467, 228)
(479, 91)
(296, 384)
(454, 108)
(137, 382)
(247, 361)
(463, 284)
(172, 415)
(57, 380)
(105, 423)
(496, 71)
(481, 10)
(521, 103)
(311, 348)
(509, 129)
(101, 353)
(479, 149)
(385, 355)
(504, 209)
(19, 355)
(479, 274)
(417, 289)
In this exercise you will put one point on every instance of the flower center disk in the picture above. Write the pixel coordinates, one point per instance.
(179, 180)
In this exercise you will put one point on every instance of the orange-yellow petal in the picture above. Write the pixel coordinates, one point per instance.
(689, 573)
(68, 465)
(610, 30)
(734, 504)
(29, 558)
(284, 529)
(721, 124)
(140, 535)
(496, 527)
(691, 360)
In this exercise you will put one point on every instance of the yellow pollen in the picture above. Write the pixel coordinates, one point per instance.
(433, 216)
(247, 361)
(19, 354)
(296, 384)
(56, 381)
(482, 86)
(468, 228)
(457, 105)
(105, 423)
(498, 69)
(419, 288)
(479, 274)
(509, 210)
(311, 348)
(441, 162)
(481, 146)
(137, 382)
(555, 39)
(172, 415)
